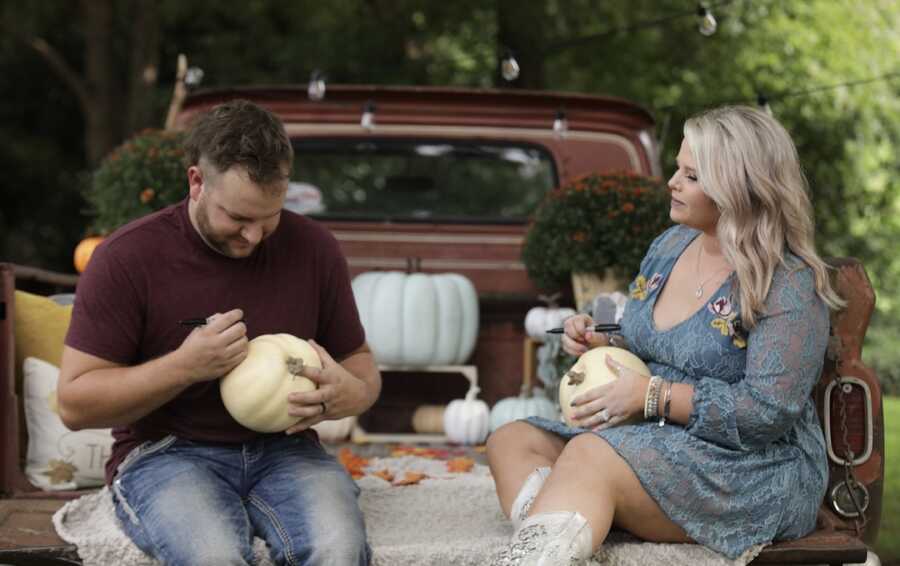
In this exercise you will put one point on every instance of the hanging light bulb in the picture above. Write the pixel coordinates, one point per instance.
(560, 124)
(763, 104)
(193, 77)
(316, 88)
(368, 116)
(509, 67)
(708, 22)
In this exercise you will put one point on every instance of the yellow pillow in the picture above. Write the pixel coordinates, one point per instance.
(40, 328)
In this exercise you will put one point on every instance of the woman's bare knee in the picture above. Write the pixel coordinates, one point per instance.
(522, 438)
(586, 449)
(633, 508)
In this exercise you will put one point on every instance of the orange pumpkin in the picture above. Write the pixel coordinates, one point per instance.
(83, 251)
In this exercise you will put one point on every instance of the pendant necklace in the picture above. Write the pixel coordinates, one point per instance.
(699, 292)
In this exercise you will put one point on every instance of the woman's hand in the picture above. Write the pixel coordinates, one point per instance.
(614, 403)
(579, 335)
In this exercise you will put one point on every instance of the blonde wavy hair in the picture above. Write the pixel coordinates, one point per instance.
(748, 165)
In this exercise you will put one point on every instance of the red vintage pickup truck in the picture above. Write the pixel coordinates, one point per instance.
(444, 179)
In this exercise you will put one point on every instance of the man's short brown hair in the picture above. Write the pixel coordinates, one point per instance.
(239, 132)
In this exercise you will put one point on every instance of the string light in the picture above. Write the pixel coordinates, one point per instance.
(708, 24)
(509, 67)
(316, 88)
(560, 124)
(368, 116)
(193, 77)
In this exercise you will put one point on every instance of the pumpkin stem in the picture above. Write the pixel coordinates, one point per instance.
(295, 366)
(576, 377)
(472, 393)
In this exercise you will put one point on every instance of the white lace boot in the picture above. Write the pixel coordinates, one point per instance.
(527, 493)
(561, 538)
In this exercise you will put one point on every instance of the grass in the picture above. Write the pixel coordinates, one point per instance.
(888, 545)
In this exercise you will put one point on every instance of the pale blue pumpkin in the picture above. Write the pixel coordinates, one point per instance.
(532, 403)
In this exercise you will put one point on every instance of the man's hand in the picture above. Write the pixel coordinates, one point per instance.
(212, 350)
(339, 394)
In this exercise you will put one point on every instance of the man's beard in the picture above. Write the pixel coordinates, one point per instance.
(218, 243)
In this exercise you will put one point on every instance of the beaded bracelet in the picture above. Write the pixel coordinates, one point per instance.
(666, 404)
(651, 400)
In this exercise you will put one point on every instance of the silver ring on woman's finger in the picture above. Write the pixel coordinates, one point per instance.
(604, 415)
(324, 408)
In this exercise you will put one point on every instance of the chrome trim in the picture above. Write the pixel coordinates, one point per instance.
(869, 425)
(849, 513)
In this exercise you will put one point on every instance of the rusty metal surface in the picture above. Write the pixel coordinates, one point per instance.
(849, 328)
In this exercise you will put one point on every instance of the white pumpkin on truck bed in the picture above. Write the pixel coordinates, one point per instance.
(417, 319)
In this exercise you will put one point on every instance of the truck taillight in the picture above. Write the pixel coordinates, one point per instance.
(856, 398)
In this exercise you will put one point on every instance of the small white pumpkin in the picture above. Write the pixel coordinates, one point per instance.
(417, 319)
(256, 391)
(538, 320)
(333, 431)
(466, 420)
(529, 403)
(589, 371)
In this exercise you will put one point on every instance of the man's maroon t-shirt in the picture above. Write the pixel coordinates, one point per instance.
(155, 271)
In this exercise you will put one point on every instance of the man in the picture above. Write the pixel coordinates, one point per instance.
(191, 485)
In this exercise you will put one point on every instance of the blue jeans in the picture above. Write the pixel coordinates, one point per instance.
(188, 503)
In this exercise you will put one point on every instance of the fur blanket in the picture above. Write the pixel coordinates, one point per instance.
(447, 518)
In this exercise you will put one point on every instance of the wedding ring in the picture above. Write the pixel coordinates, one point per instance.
(324, 408)
(604, 414)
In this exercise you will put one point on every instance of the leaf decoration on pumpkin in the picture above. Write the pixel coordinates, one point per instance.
(295, 366)
(354, 464)
(576, 377)
(411, 478)
(385, 474)
(60, 471)
(460, 465)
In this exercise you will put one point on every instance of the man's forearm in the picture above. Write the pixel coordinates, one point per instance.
(362, 366)
(119, 395)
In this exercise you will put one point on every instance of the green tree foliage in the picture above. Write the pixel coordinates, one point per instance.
(848, 138)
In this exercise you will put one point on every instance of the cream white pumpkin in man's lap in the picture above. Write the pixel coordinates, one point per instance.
(256, 391)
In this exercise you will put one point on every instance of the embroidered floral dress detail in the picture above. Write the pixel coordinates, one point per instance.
(726, 321)
(641, 287)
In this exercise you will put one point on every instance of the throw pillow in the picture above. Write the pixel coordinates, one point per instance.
(58, 458)
(40, 328)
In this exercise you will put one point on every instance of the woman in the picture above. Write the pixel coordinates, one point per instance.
(730, 313)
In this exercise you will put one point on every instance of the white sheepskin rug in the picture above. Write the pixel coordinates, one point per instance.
(445, 518)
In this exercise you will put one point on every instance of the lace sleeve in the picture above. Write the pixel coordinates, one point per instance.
(785, 353)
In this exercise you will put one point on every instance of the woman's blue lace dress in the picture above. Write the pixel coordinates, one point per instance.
(750, 465)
